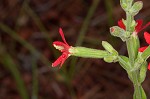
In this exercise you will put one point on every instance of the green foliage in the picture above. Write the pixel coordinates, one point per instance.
(119, 32)
(137, 6)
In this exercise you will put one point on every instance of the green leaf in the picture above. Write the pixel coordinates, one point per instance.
(143, 93)
(146, 54)
(124, 62)
(143, 70)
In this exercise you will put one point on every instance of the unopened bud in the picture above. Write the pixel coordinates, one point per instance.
(109, 48)
(124, 4)
(118, 32)
(137, 6)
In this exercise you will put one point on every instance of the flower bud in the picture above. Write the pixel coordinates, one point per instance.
(109, 48)
(124, 4)
(118, 32)
(137, 6)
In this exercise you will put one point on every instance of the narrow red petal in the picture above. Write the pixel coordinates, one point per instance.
(63, 46)
(62, 35)
(121, 24)
(64, 56)
(144, 26)
(139, 25)
(57, 62)
(142, 49)
(149, 66)
(147, 37)
(61, 60)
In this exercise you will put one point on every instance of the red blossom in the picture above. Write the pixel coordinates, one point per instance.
(139, 26)
(147, 39)
(63, 47)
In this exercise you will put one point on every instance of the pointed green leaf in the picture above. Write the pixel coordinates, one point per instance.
(143, 70)
(124, 62)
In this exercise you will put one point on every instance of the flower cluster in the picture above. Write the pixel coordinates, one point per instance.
(139, 28)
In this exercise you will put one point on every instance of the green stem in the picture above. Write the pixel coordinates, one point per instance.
(132, 56)
(137, 85)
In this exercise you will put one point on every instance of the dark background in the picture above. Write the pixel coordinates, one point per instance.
(27, 30)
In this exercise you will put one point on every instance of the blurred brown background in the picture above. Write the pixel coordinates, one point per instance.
(27, 30)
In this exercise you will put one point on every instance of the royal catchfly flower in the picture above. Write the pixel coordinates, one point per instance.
(147, 39)
(138, 26)
(64, 48)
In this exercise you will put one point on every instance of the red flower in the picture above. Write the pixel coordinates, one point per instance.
(147, 39)
(138, 27)
(64, 48)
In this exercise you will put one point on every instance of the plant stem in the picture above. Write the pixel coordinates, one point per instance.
(135, 74)
(137, 85)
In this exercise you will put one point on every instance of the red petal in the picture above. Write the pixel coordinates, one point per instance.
(121, 24)
(144, 26)
(61, 44)
(149, 66)
(61, 60)
(64, 56)
(62, 36)
(147, 37)
(139, 25)
(142, 49)
(57, 62)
